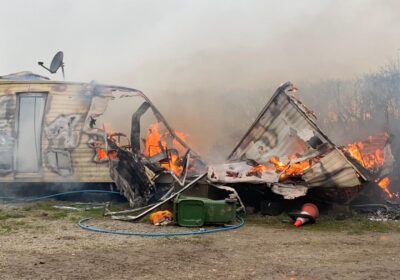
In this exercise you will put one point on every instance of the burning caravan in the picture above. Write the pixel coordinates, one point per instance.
(285, 151)
(50, 133)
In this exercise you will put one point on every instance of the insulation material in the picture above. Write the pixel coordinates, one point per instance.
(240, 172)
(289, 191)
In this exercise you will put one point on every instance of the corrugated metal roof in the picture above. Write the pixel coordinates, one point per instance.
(332, 171)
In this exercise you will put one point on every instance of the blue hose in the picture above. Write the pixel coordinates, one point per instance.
(143, 234)
(35, 198)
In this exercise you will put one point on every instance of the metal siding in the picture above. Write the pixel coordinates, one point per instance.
(63, 98)
(278, 120)
(332, 171)
(281, 116)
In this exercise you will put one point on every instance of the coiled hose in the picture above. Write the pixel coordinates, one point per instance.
(164, 234)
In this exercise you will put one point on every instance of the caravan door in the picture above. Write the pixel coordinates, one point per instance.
(29, 132)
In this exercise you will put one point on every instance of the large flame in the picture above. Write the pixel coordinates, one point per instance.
(157, 142)
(154, 145)
(369, 153)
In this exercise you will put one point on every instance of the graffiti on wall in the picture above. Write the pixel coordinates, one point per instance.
(64, 134)
(7, 112)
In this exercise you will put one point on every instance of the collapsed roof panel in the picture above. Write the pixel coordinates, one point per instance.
(285, 149)
(282, 129)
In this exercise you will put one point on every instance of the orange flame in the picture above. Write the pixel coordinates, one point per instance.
(384, 185)
(101, 154)
(288, 170)
(296, 169)
(156, 142)
(278, 165)
(154, 145)
(369, 153)
(258, 169)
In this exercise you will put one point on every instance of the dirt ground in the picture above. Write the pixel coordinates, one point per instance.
(39, 243)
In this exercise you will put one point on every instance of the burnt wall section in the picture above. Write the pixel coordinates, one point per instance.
(60, 161)
(97, 136)
(64, 135)
(64, 132)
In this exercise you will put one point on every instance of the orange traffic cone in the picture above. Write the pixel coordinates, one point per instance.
(299, 221)
(308, 214)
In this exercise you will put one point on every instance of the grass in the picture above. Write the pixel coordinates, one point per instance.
(25, 216)
(10, 215)
(356, 224)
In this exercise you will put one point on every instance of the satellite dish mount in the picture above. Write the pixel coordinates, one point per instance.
(56, 64)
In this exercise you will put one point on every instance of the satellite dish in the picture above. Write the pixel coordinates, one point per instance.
(56, 63)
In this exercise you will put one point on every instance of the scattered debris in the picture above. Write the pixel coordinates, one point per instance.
(379, 212)
(80, 206)
(116, 215)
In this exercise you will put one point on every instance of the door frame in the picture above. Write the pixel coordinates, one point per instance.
(43, 94)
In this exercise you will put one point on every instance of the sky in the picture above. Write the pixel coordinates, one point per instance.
(190, 57)
(183, 46)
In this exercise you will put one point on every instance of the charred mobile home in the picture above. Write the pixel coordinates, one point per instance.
(49, 134)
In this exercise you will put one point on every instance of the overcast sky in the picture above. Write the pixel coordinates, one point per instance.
(160, 46)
